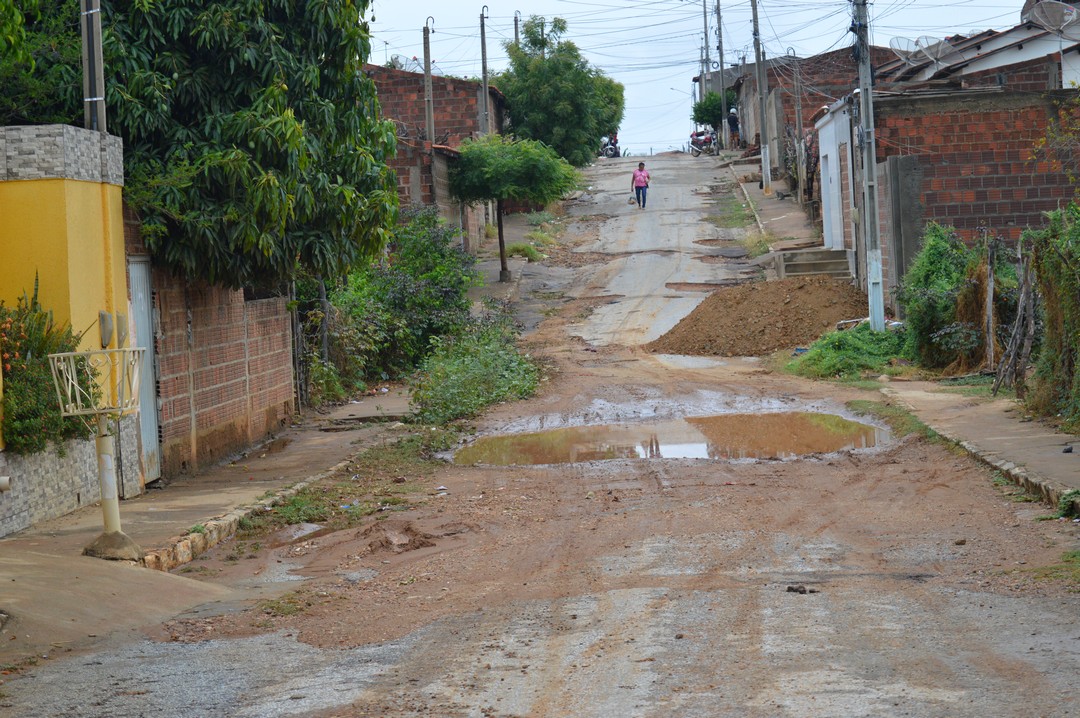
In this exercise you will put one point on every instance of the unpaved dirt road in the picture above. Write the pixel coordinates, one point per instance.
(892, 581)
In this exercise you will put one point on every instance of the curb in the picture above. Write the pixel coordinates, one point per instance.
(1036, 484)
(183, 549)
(749, 202)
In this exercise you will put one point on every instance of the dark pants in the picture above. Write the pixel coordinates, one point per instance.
(639, 193)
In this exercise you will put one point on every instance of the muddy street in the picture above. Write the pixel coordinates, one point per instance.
(663, 536)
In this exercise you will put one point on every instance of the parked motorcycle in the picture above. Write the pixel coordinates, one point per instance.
(703, 141)
(609, 146)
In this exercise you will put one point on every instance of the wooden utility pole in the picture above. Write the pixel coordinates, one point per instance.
(484, 106)
(762, 80)
(869, 220)
(93, 67)
(429, 101)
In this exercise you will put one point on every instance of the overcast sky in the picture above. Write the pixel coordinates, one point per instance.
(653, 46)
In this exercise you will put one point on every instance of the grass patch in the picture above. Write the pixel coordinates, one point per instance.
(288, 605)
(849, 354)
(537, 219)
(731, 212)
(901, 421)
(1065, 503)
(521, 249)
(540, 237)
(197, 529)
(1068, 570)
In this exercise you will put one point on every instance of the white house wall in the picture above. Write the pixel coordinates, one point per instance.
(834, 136)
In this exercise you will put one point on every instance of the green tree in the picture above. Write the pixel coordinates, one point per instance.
(13, 15)
(252, 144)
(554, 96)
(709, 110)
(44, 85)
(500, 168)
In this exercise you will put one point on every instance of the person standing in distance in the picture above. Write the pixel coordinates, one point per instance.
(640, 184)
(733, 127)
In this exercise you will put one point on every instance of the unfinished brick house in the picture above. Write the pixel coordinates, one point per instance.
(956, 133)
(422, 163)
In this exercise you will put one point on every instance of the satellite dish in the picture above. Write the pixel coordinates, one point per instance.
(905, 49)
(1059, 18)
(939, 52)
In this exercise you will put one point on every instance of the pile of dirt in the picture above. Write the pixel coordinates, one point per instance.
(763, 317)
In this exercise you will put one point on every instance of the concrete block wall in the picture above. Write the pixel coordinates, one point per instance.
(37, 152)
(63, 478)
(224, 369)
(975, 152)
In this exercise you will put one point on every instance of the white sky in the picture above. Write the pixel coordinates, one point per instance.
(653, 46)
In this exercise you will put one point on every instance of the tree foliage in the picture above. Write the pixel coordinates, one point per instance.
(709, 110)
(13, 16)
(554, 95)
(45, 83)
(496, 167)
(252, 143)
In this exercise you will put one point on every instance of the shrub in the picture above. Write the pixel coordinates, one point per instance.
(928, 292)
(477, 366)
(536, 219)
(520, 249)
(847, 354)
(1056, 259)
(31, 412)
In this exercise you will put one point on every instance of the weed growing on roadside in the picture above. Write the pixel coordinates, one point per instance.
(288, 605)
(477, 367)
(197, 529)
(537, 219)
(848, 354)
(901, 421)
(521, 249)
(1068, 570)
(1065, 503)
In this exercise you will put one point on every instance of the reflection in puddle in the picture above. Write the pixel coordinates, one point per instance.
(729, 436)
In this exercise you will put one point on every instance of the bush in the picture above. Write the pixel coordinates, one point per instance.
(521, 249)
(31, 412)
(847, 354)
(478, 366)
(1056, 259)
(928, 292)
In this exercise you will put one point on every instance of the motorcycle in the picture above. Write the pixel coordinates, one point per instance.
(609, 146)
(703, 141)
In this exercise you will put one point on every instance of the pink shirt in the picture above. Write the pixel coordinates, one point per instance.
(641, 178)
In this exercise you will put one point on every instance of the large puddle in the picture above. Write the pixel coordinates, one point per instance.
(728, 436)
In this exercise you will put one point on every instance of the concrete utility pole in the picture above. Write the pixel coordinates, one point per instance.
(517, 22)
(725, 139)
(701, 74)
(800, 136)
(869, 219)
(763, 91)
(705, 22)
(429, 101)
(484, 109)
(93, 67)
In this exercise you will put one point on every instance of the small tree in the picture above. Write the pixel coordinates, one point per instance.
(709, 110)
(499, 168)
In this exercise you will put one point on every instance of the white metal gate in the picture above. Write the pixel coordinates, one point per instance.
(142, 308)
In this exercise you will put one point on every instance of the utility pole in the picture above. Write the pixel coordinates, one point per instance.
(543, 41)
(93, 69)
(725, 136)
(517, 21)
(705, 22)
(429, 102)
(762, 83)
(484, 109)
(701, 74)
(869, 219)
(800, 136)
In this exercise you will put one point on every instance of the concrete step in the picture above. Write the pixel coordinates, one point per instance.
(807, 262)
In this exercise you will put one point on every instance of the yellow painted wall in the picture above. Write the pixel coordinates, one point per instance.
(70, 234)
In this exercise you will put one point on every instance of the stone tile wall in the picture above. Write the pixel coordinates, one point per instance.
(37, 152)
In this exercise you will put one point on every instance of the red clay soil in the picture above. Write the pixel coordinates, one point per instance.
(763, 317)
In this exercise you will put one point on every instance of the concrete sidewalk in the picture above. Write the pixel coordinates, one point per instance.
(52, 598)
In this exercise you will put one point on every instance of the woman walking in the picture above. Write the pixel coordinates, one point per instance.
(640, 184)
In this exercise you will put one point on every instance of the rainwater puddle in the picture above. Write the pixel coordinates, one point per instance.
(728, 436)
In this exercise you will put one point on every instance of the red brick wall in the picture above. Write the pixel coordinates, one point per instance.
(976, 155)
(1037, 75)
(224, 367)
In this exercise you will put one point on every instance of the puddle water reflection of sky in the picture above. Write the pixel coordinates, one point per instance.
(729, 436)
